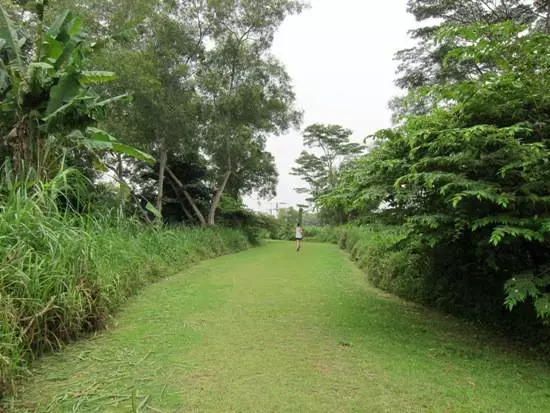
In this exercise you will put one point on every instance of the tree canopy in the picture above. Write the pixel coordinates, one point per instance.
(190, 80)
(469, 178)
(328, 146)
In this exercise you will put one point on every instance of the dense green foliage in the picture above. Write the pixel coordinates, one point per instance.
(283, 226)
(49, 100)
(200, 86)
(469, 179)
(206, 93)
(424, 64)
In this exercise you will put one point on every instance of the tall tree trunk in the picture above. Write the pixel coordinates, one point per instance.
(547, 28)
(162, 168)
(182, 203)
(196, 209)
(189, 198)
(217, 199)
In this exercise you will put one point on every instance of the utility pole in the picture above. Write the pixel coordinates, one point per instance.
(277, 207)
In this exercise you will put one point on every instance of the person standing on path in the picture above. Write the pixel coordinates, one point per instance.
(299, 236)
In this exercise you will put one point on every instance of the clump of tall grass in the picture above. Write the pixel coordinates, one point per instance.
(62, 273)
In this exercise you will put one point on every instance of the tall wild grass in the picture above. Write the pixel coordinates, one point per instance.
(63, 273)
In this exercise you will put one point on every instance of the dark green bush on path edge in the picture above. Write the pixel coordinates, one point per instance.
(61, 277)
(395, 264)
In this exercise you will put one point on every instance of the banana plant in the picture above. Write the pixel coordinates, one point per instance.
(47, 95)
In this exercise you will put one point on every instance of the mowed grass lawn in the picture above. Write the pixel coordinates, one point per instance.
(272, 330)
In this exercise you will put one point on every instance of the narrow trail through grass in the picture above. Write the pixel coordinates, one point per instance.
(270, 330)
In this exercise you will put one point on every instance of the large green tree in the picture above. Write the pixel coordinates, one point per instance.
(155, 47)
(223, 99)
(248, 95)
(425, 64)
(163, 115)
(470, 177)
(328, 146)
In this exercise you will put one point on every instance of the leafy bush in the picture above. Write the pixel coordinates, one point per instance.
(329, 234)
(256, 227)
(310, 232)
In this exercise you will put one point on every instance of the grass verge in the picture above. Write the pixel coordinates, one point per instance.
(272, 330)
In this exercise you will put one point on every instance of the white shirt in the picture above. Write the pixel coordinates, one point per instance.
(298, 232)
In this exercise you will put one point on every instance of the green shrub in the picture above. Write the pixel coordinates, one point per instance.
(329, 234)
(374, 250)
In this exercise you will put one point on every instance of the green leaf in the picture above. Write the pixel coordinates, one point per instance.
(542, 306)
(74, 26)
(62, 93)
(63, 38)
(519, 288)
(107, 102)
(68, 51)
(503, 232)
(53, 49)
(97, 77)
(59, 23)
(99, 135)
(63, 108)
(133, 152)
(149, 207)
(41, 65)
(100, 166)
(100, 139)
(10, 37)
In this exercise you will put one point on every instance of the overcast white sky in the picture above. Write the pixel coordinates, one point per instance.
(339, 54)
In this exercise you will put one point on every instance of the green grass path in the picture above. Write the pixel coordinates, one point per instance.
(270, 330)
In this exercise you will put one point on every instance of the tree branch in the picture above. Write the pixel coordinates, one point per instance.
(189, 198)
